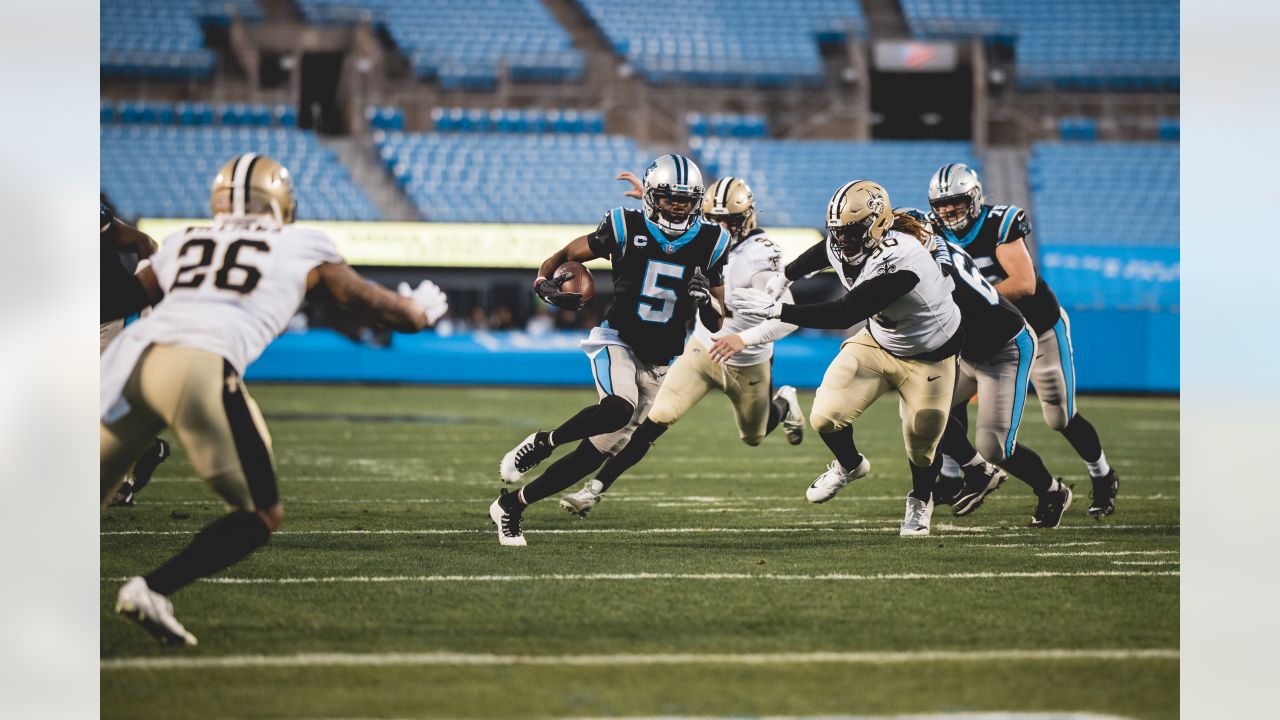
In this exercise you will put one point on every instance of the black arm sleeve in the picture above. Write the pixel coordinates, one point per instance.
(130, 297)
(859, 304)
(810, 261)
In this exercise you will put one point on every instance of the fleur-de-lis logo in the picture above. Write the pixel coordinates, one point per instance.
(875, 201)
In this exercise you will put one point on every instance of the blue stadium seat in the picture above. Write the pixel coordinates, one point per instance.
(1168, 128)
(154, 38)
(384, 117)
(507, 120)
(1077, 128)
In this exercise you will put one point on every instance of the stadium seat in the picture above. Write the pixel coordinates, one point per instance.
(155, 38)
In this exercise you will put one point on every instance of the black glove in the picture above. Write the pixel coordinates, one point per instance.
(699, 287)
(549, 291)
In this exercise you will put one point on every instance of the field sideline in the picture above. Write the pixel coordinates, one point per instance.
(704, 585)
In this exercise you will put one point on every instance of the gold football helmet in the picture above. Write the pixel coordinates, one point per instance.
(858, 216)
(729, 200)
(253, 184)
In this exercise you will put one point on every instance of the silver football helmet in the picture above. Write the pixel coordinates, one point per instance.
(955, 194)
(673, 194)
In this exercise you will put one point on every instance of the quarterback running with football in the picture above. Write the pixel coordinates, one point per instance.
(737, 360)
(228, 289)
(667, 265)
(995, 237)
(909, 345)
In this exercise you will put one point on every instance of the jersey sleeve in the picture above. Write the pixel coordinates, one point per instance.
(719, 258)
(317, 247)
(765, 257)
(164, 263)
(1014, 226)
(609, 239)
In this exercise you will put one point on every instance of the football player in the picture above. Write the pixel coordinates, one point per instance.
(736, 361)
(122, 295)
(667, 264)
(909, 344)
(995, 237)
(228, 289)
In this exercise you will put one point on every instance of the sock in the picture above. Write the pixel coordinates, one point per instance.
(975, 461)
(923, 478)
(631, 453)
(840, 442)
(1101, 468)
(564, 472)
(221, 544)
(611, 414)
(1084, 438)
(777, 411)
(512, 501)
(1027, 466)
(955, 442)
(950, 468)
(148, 463)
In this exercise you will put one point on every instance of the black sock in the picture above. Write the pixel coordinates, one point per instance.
(1026, 465)
(840, 442)
(222, 543)
(632, 453)
(1080, 433)
(955, 440)
(777, 410)
(148, 463)
(611, 414)
(564, 472)
(923, 478)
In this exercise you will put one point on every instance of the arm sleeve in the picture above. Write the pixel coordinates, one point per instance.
(941, 255)
(769, 330)
(132, 298)
(859, 304)
(605, 240)
(809, 262)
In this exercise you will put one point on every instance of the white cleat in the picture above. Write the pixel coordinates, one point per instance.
(793, 421)
(508, 524)
(524, 457)
(152, 611)
(581, 502)
(834, 479)
(916, 522)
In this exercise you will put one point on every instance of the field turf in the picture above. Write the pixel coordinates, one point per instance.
(704, 584)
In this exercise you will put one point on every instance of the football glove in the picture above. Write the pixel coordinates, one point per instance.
(753, 303)
(777, 285)
(699, 287)
(549, 291)
(427, 296)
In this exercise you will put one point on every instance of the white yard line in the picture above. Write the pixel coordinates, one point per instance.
(1107, 553)
(961, 531)
(663, 501)
(473, 659)
(1146, 562)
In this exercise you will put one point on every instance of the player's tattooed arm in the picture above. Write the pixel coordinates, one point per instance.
(373, 301)
(1016, 261)
(810, 261)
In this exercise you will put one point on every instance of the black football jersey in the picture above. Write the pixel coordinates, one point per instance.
(997, 225)
(121, 294)
(989, 319)
(651, 305)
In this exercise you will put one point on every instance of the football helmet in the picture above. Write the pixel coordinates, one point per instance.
(253, 184)
(858, 216)
(956, 183)
(729, 201)
(673, 194)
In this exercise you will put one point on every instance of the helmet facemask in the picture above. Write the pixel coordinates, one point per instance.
(957, 212)
(673, 194)
(852, 243)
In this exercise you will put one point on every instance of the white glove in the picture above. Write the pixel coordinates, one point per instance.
(777, 285)
(754, 303)
(427, 296)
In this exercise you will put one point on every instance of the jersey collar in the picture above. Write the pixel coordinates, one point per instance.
(671, 246)
(970, 236)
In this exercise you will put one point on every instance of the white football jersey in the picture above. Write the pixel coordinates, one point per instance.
(923, 319)
(754, 254)
(231, 288)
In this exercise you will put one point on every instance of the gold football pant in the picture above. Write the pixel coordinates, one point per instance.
(199, 395)
(863, 371)
(694, 374)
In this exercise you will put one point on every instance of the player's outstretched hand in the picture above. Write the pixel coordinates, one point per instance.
(699, 287)
(754, 303)
(777, 285)
(637, 187)
(549, 291)
(726, 347)
(429, 297)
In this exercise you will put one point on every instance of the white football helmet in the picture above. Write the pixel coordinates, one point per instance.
(956, 183)
(673, 194)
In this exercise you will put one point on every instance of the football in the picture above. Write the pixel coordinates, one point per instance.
(581, 282)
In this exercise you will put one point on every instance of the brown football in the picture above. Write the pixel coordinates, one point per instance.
(581, 282)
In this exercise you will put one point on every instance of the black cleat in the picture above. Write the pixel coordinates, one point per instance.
(1103, 495)
(947, 490)
(979, 482)
(1051, 507)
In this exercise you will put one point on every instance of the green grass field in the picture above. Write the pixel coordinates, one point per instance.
(703, 585)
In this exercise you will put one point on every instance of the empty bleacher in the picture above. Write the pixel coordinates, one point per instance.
(154, 38)
(749, 42)
(165, 171)
(510, 120)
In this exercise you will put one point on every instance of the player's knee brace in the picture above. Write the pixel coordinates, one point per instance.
(615, 413)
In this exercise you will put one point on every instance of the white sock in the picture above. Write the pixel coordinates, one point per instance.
(1055, 486)
(1100, 468)
(950, 468)
(595, 486)
(977, 459)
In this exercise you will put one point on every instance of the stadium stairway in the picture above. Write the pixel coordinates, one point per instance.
(361, 158)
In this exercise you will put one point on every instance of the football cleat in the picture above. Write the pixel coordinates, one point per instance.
(834, 479)
(979, 482)
(1103, 495)
(793, 421)
(124, 496)
(1051, 507)
(152, 611)
(581, 502)
(508, 523)
(916, 521)
(947, 490)
(525, 457)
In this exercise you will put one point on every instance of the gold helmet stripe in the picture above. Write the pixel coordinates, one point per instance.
(833, 209)
(240, 182)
